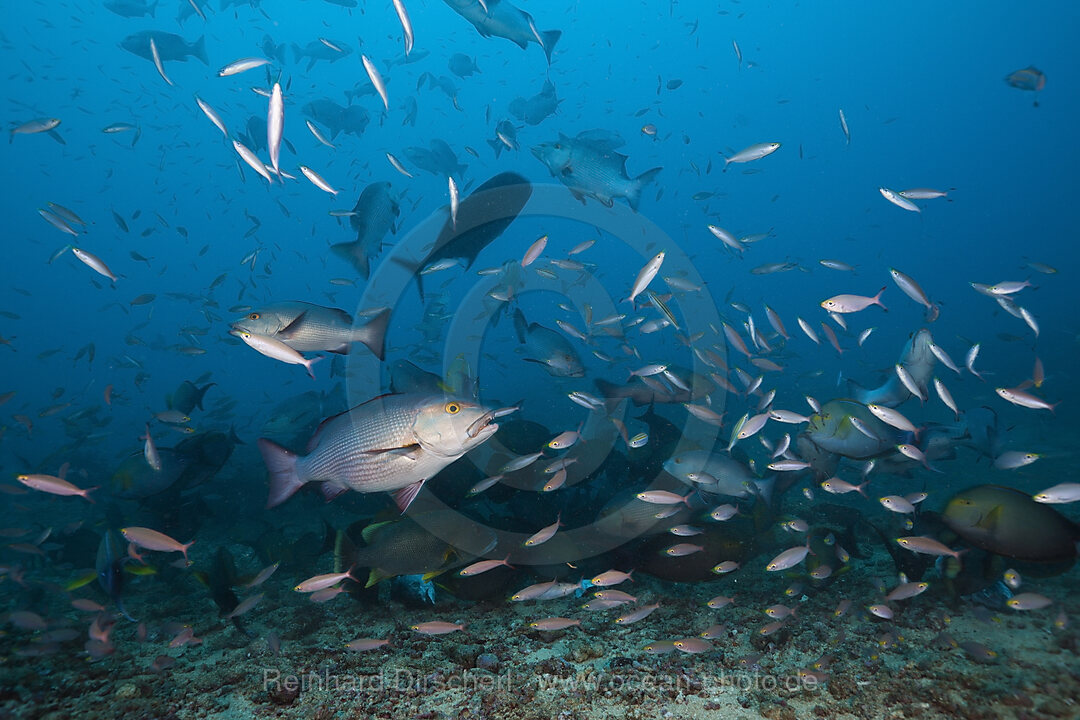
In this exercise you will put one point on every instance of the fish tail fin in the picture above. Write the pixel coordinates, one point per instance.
(877, 300)
(521, 325)
(85, 494)
(309, 363)
(199, 50)
(550, 37)
(352, 252)
(373, 335)
(856, 391)
(497, 146)
(123, 611)
(202, 394)
(345, 553)
(153, 9)
(640, 182)
(284, 478)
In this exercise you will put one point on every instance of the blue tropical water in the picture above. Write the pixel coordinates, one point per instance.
(617, 243)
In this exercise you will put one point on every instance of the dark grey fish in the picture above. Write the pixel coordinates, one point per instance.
(405, 377)
(364, 87)
(415, 56)
(590, 166)
(409, 109)
(293, 420)
(318, 50)
(505, 137)
(984, 433)
(134, 479)
(306, 327)
(131, 8)
(917, 359)
(111, 557)
(462, 65)
(188, 9)
(438, 160)
(481, 218)
(169, 46)
(352, 120)
(374, 215)
(427, 544)
(255, 135)
(187, 397)
(499, 18)
(443, 83)
(532, 111)
(273, 50)
(220, 578)
(548, 348)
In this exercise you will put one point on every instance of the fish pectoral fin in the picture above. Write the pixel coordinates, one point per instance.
(375, 576)
(990, 520)
(81, 580)
(429, 576)
(404, 497)
(413, 452)
(330, 492)
(292, 328)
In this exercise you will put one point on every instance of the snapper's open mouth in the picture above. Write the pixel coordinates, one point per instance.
(485, 421)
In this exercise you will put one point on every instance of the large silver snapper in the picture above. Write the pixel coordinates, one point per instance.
(391, 443)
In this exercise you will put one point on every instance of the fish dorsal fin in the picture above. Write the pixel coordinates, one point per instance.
(342, 315)
(313, 442)
(289, 330)
(602, 140)
(369, 532)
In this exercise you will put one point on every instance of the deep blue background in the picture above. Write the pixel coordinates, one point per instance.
(921, 85)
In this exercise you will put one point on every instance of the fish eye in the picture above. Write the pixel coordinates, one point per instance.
(452, 408)
(558, 146)
(253, 316)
